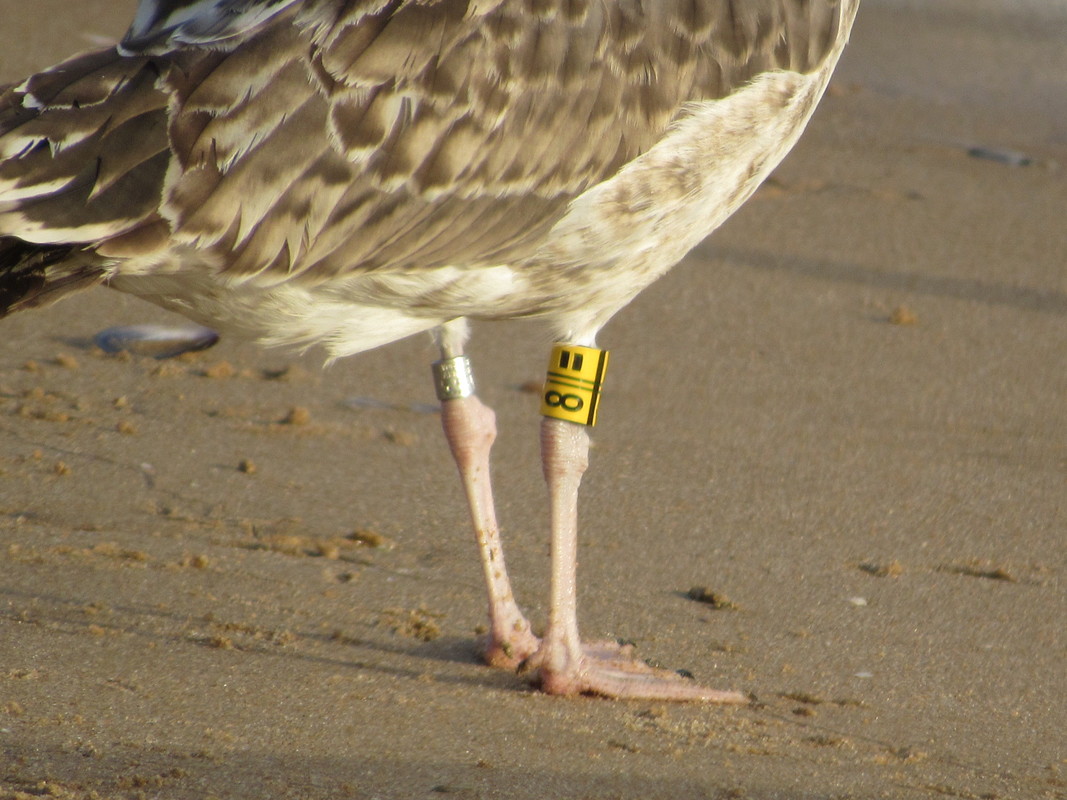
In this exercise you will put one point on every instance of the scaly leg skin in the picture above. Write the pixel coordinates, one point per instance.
(562, 665)
(470, 428)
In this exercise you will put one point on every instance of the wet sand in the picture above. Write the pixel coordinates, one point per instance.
(238, 575)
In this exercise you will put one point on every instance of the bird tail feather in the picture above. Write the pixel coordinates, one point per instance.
(36, 275)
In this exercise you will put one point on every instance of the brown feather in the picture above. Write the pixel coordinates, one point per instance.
(395, 135)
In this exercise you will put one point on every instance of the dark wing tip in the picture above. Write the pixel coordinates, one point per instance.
(35, 275)
(161, 26)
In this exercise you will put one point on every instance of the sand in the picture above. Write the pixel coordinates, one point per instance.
(237, 575)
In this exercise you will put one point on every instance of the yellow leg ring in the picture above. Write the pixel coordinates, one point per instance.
(572, 387)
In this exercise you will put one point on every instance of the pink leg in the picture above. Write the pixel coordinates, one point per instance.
(563, 665)
(470, 428)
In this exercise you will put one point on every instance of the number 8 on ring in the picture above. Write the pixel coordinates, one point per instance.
(572, 386)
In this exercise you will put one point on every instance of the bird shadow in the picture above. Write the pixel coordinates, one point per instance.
(374, 652)
(977, 290)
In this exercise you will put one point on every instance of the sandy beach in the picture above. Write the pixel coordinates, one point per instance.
(237, 574)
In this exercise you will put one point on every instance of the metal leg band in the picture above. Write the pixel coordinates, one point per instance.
(452, 378)
(572, 387)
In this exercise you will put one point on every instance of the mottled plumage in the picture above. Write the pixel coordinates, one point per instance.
(350, 172)
(380, 152)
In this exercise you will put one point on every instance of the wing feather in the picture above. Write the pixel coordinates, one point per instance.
(310, 139)
(161, 26)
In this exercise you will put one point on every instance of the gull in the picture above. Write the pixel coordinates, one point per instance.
(347, 173)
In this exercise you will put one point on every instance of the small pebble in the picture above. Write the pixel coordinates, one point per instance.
(894, 569)
(224, 369)
(902, 315)
(297, 415)
(371, 539)
(402, 438)
(717, 600)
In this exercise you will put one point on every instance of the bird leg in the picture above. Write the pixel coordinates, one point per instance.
(563, 665)
(470, 429)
